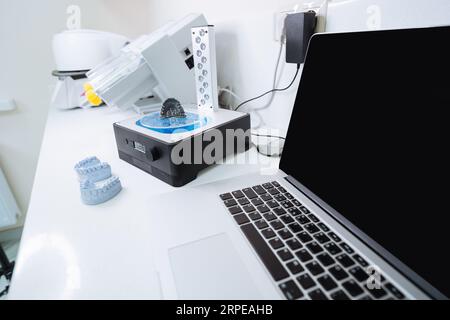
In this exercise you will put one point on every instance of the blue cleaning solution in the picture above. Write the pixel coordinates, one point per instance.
(155, 122)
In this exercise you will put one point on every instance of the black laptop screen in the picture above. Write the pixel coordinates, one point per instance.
(370, 136)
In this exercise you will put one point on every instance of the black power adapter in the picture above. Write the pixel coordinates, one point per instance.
(299, 29)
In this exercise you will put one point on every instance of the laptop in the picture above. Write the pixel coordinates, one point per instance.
(358, 208)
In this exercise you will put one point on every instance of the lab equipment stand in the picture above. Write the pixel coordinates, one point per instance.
(6, 270)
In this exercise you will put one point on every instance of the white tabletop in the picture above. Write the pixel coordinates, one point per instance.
(70, 250)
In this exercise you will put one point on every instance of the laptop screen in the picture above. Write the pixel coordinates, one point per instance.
(369, 135)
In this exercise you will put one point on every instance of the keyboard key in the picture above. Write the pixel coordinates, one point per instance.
(268, 233)
(288, 195)
(321, 237)
(323, 227)
(303, 255)
(248, 208)
(325, 259)
(234, 210)
(311, 228)
(285, 254)
(259, 190)
(296, 202)
(273, 191)
(358, 273)
(294, 212)
(249, 193)
(275, 184)
(276, 243)
(281, 189)
(339, 295)
(360, 260)
(306, 281)
(238, 194)
(317, 294)
(272, 204)
(315, 268)
(334, 236)
(277, 225)
(395, 292)
(273, 265)
(254, 216)
(327, 282)
(230, 202)
(313, 218)
(377, 293)
(332, 248)
(269, 216)
(304, 237)
(266, 197)
(290, 290)
(304, 210)
(261, 224)
(338, 273)
(241, 218)
(243, 201)
(294, 244)
(302, 219)
(352, 288)
(346, 248)
(267, 185)
(314, 247)
(295, 227)
(226, 196)
(286, 219)
(345, 260)
(366, 298)
(280, 197)
(287, 204)
(295, 267)
(263, 208)
(279, 211)
(285, 234)
(257, 202)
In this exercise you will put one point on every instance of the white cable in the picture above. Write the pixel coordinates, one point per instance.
(231, 93)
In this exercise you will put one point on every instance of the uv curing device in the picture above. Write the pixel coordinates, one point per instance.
(176, 151)
(174, 144)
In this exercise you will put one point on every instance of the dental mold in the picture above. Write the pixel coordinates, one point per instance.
(92, 169)
(93, 193)
(97, 184)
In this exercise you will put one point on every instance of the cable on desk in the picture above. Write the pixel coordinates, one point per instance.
(267, 136)
(270, 91)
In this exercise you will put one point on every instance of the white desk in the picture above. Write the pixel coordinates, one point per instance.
(70, 250)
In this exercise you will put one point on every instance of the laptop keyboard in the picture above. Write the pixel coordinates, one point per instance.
(301, 252)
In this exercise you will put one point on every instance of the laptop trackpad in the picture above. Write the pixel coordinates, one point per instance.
(211, 269)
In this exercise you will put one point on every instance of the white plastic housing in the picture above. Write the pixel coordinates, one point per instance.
(204, 50)
(77, 50)
(155, 65)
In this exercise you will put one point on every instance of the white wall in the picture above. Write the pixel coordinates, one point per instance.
(246, 49)
(26, 29)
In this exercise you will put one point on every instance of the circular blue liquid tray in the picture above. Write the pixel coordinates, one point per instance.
(153, 121)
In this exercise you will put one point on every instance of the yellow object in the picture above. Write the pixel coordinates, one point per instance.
(90, 94)
(87, 86)
(93, 98)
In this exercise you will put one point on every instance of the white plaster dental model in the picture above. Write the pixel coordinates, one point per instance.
(92, 169)
(97, 185)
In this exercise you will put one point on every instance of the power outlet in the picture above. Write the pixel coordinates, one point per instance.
(279, 31)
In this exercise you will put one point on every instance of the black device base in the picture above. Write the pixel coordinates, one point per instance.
(155, 156)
